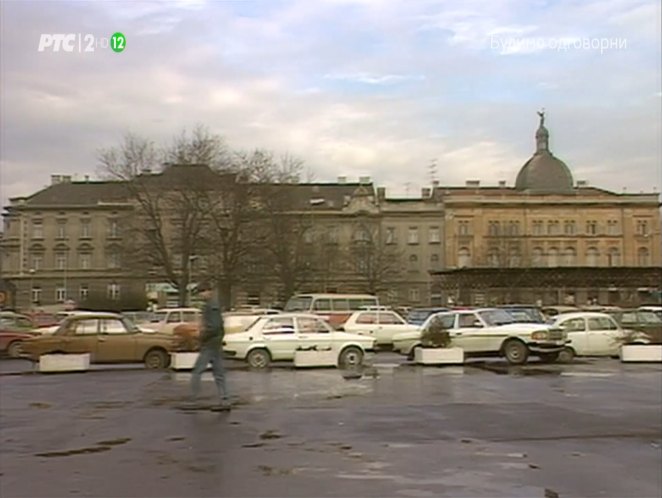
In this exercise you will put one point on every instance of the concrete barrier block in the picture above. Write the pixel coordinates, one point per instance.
(183, 361)
(440, 356)
(651, 353)
(64, 363)
(315, 359)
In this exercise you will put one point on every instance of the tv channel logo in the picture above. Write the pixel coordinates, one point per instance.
(80, 42)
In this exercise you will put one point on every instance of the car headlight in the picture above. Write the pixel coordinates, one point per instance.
(540, 335)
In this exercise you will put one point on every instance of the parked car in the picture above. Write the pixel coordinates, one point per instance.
(165, 320)
(524, 313)
(490, 331)
(16, 321)
(11, 339)
(277, 337)
(417, 316)
(644, 321)
(552, 312)
(594, 334)
(655, 309)
(381, 325)
(107, 337)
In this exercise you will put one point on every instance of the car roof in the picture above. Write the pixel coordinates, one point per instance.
(582, 314)
(94, 314)
(290, 315)
(165, 310)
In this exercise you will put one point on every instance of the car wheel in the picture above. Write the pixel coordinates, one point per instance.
(258, 359)
(549, 357)
(156, 359)
(566, 355)
(351, 356)
(14, 349)
(516, 352)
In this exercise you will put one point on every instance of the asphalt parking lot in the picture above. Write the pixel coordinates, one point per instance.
(592, 428)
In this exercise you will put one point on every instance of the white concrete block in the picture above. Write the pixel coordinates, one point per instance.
(64, 362)
(183, 361)
(640, 353)
(439, 356)
(315, 358)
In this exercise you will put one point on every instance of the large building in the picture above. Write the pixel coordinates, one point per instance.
(547, 239)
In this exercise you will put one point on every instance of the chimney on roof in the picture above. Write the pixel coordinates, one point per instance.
(381, 193)
(473, 183)
(87, 178)
(55, 179)
(66, 178)
(425, 192)
(502, 183)
(435, 183)
(364, 180)
(342, 179)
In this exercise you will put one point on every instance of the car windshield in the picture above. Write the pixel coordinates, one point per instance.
(496, 317)
(649, 317)
(526, 315)
(298, 304)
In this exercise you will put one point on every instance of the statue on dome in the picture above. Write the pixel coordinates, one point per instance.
(541, 113)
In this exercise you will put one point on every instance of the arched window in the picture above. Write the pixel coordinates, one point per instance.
(434, 261)
(614, 257)
(553, 257)
(413, 262)
(464, 257)
(493, 257)
(537, 257)
(514, 258)
(569, 256)
(592, 256)
(643, 257)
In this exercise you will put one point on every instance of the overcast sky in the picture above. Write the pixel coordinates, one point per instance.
(352, 87)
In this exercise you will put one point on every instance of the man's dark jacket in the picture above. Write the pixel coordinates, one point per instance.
(212, 325)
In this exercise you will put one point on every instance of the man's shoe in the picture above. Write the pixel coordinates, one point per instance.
(225, 406)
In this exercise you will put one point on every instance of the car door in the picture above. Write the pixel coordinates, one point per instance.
(314, 333)
(469, 333)
(577, 334)
(602, 336)
(115, 343)
(79, 337)
(364, 323)
(389, 324)
(279, 335)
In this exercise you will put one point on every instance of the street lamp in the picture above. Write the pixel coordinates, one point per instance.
(32, 272)
(189, 271)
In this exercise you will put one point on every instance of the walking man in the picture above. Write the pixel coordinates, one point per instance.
(211, 343)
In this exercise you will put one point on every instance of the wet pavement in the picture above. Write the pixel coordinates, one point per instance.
(593, 428)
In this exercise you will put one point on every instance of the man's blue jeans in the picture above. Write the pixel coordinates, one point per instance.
(213, 355)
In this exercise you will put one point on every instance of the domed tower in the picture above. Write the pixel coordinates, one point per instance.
(544, 173)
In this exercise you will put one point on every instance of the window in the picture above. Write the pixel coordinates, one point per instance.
(412, 235)
(553, 227)
(110, 326)
(113, 229)
(493, 257)
(468, 320)
(279, 326)
(493, 228)
(513, 228)
(85, 261)
(390, 235)
(174, 317)
(83, 292)
(332, 235)
(434, 235)
(614, 257)
(537, 227)
(37, 261)
(85, 229)
(569, 256)
(413, 262)
(592, 256)
(573, 325)
(190, 316)
(569, 227)
(389, 319)
(446, 322)
(434, 261)
(60, 294)
(36, 294)
(591, 227)
(514, 258)
(312, 326)
(322, 305)
(367, 318)
(308, 236)
(553, 257)
(643, 257)
(85, 327)
(642, 227)
(113, 259)
(340, 304)
(537, 256)
(362, 234)
(601, 323)
(629, 318)
(37, 229)
(414, 295)
(61, 229)
(463, 228)
(114, 291)
(61, 260)
(612, 227)
(464, 257)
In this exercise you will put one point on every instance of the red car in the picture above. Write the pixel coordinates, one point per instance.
(11, 341)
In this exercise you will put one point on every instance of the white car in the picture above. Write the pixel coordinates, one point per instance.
(382, 325)
(166, 320)
(594, 334)
(277, 337)
(490, 331)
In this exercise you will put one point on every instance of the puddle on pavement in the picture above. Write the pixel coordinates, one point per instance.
(515, 370)
(114, 442)
(40, 405)
(270, 435)
(101, 447)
